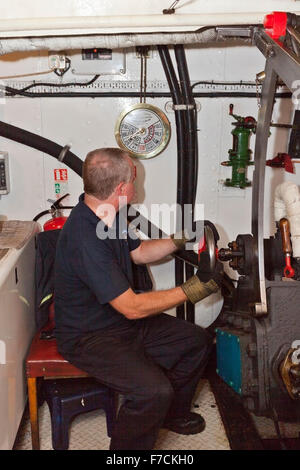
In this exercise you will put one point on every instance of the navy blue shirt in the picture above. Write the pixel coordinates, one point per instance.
(90, 271)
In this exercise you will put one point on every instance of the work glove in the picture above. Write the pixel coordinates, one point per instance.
(217, 274)
(181, 238)
(196, 290)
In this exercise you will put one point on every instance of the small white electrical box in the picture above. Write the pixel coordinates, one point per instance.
(4, 173)
(57, 60)
(97, 61)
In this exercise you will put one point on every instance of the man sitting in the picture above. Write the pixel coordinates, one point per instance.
(118, 336)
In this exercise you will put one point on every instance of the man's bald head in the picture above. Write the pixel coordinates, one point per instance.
(103, 170)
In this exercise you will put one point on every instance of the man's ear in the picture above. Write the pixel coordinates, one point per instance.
(120, 189)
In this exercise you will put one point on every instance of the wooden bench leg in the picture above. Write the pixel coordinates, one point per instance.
(33, 412)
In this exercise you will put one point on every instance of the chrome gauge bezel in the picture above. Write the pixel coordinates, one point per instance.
(160, 115)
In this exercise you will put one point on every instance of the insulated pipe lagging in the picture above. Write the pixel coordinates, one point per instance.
(34, 26)
(108, 41)
(287, 204)
(40, 143)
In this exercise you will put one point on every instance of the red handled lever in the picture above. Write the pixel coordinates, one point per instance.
(286, 246)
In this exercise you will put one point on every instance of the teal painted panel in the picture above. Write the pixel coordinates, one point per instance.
(229, 364)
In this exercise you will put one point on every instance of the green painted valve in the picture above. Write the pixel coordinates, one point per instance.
(240, 154)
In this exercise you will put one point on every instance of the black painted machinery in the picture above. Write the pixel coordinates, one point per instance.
(258, 331)
(259, 355)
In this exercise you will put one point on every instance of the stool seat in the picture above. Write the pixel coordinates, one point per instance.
(66, 399)
(44, 360)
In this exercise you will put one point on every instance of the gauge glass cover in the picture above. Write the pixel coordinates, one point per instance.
(143, 130)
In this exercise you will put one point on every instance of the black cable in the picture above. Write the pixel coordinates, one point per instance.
(190, 121)
(175, 93)
(180, 132)
(189, 161)
(16, 91)
(211, 82)
(130, 94)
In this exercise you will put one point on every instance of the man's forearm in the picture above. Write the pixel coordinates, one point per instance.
(151, 303)
(155, 250)
(134, 306)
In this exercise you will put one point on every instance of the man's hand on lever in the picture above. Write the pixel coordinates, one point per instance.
(202, 284)
(181, 238)
(195, 289)
(136, 306)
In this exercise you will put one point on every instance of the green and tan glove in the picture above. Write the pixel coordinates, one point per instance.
(196, 290)
(180, 238)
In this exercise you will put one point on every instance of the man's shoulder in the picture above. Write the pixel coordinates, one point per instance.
(80, 217)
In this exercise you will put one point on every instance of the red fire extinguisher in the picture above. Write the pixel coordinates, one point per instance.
(57, 220)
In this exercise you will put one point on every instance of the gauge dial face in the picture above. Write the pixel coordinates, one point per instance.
(143, 130)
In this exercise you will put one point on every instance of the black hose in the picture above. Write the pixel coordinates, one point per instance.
(41, 214)
(180, 131)
(40, 143)
(190, 160)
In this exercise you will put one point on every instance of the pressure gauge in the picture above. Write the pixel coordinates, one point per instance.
(143, 130)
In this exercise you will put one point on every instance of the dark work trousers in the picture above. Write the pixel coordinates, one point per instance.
(155, 363)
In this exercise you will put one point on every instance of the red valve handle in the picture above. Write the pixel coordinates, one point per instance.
(288, 270)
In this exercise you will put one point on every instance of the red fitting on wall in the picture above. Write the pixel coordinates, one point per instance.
(275, 24)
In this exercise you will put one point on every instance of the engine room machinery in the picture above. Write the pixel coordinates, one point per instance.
(259, 355)
(240, 154)
(258, 331)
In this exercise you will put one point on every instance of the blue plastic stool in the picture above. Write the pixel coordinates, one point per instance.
(67, 398)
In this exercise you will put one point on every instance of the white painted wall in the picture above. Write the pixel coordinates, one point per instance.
(89, 123)
(44, 8)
